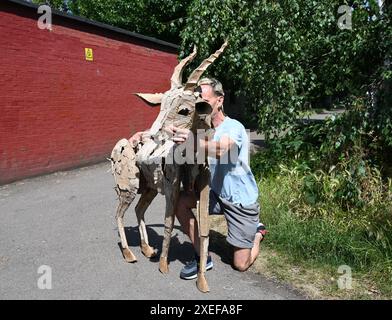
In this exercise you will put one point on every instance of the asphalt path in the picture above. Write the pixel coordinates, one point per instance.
(59, 240)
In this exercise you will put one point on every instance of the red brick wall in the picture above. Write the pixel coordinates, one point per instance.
(59, 111)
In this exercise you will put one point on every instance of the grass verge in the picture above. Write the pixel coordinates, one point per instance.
(314, 256)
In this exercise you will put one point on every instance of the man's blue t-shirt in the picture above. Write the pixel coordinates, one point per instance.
(231, 177)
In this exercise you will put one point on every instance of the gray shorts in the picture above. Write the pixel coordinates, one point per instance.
(242, 221)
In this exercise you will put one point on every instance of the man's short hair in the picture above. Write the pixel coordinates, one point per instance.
(215, 84)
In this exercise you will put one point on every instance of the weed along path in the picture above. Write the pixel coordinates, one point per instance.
(59, 240)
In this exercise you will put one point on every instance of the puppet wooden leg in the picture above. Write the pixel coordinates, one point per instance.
(141, 207)
(204, 230)
(125, 198)
(172, 191)
(125, 174)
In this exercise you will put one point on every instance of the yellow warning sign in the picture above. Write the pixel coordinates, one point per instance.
(89, 54)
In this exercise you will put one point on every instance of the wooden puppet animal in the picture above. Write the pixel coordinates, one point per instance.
(151, 167)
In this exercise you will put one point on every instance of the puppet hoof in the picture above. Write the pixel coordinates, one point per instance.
(163, 267)
(147, 250)
(128, 255)
(201, 283)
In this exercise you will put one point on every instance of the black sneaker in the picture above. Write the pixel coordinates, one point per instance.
(189, 271)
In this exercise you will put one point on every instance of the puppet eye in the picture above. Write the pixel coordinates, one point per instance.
(197, 92)
(184, 111)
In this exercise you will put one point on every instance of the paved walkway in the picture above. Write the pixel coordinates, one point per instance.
(66, 221)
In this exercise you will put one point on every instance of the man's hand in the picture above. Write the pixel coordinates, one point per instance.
(179, 135)
(138, 137)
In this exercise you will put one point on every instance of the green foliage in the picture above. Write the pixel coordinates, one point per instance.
(361, 239)
(162, 19)
(341, 161)
(326, 194)
(288, 56)
(57, 4)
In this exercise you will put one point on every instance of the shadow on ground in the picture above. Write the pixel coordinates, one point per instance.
(183, 252)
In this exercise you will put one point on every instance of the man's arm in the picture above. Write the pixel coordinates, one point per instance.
(214, 149)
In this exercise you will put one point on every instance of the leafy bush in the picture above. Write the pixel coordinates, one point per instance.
(326, 194)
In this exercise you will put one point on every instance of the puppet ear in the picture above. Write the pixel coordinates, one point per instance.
(153, 98)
